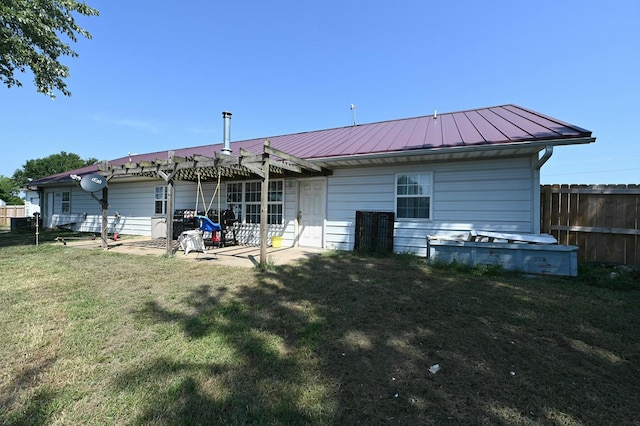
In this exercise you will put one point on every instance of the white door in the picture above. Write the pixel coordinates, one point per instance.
(312, 212)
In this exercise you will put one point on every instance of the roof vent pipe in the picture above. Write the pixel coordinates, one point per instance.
(226, 117)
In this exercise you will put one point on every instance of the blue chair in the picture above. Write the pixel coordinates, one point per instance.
(211, 231)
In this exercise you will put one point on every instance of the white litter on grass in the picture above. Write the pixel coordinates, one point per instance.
(513, 373)
(434, 368)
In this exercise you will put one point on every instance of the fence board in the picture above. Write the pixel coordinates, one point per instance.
(7, 212)
(600, 219)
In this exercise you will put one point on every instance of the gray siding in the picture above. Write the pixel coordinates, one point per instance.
(131, 206)
(490, 195)
(496, 195)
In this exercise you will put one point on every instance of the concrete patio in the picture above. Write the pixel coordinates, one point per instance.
(238, 255)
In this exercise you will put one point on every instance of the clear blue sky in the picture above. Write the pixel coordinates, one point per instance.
(158, 74)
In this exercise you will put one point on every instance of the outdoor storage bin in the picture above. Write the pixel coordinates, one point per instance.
(374, 231)
(550, 259)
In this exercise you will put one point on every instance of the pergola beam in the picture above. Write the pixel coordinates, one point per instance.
(220, 165)
(268, 149)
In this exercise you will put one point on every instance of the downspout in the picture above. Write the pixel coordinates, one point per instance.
(548, 152)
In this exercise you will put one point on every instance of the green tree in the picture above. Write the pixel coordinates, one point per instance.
(30, 37)
(51, 165)
(9, 191)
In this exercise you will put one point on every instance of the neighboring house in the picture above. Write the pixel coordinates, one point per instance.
(31, 202)
(476, 169)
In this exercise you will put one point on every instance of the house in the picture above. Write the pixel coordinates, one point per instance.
(477, 169)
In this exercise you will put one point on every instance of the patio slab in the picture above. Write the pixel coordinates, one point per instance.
(239, 255)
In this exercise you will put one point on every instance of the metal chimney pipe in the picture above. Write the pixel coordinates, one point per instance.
(226, 117)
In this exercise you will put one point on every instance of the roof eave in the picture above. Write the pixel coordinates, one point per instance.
(453, 152)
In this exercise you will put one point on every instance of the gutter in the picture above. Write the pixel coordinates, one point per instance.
(454, 150)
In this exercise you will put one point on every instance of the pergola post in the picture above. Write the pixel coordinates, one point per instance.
(264, 207)
(170, 203)
(104, 203)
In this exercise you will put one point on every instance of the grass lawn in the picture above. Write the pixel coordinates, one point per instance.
(93, 337)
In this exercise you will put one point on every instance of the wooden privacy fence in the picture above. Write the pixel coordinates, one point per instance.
(602, 220)
(7, 212)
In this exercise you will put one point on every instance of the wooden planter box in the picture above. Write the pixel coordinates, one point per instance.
(547, 259)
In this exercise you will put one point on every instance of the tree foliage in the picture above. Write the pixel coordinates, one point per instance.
(9, 191)
(51, 165)
(30, 37)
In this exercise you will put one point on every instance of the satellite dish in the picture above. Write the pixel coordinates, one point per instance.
(93, 182)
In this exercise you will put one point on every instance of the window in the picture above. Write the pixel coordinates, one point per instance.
(246, 197)
(66, 202)
(276, 202)
(161, 200)
(413, 196)
(234, 199)
(252, 192)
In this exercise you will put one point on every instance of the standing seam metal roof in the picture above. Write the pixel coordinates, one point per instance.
(499, 125)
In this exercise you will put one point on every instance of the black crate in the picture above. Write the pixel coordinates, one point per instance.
(374, 231)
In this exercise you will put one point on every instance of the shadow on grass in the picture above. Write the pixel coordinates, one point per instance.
(243, 381)
(40, 407)
(345, 339)
(28, 238)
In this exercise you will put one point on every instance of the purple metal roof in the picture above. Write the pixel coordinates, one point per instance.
(499, 125)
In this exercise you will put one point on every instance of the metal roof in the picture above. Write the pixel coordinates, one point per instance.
(473, 133)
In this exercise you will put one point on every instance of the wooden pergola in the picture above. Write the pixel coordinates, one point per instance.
(271, 162)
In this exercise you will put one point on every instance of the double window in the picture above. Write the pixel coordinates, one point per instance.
(413, 195)
(244, 199)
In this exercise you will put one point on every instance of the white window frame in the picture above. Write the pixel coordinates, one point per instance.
(163, 199)
(65, 205)
(246, 202)
(429, 195)
(275, 205)
(251, 193)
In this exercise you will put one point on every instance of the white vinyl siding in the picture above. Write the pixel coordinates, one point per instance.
(492, 195)
(133, 201)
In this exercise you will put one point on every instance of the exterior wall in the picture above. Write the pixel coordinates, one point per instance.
(490, 195)
(31, 203)
(131, 208)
